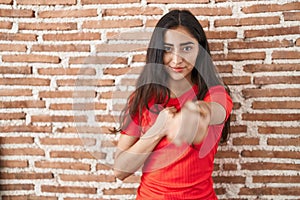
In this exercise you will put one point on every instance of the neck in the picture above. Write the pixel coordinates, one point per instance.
(179, 87)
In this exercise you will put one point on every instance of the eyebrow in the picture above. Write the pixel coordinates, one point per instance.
(182, 44)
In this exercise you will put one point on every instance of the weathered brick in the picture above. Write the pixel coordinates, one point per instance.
(240, 56)
(286, 54)
(5, 25)
(262, 8)
(290, 92)
(13, 47)
(272, 32)
(31, 58)
(108, 1)
(260, 44)
(22, 152)
(66, 71)
(15, 187)
(291, 16)
(271, 67)
(77, 154)
(278, 130)
(16, 140)
(104, 24)
(133, 11)
(178, 1)
(71, 36)
(56, 118)
(87, 178)
(276, 105)
(68, 13)
(270, 117)
(61, 48)
(44, 2)
(283, 141)
(68, 141)
(15, 70)
(13, 163)
(25, 175)
(18, 36)
(48, 26)
(277, 80)
(25, 81)
(270, 154)
(270, 191)
(16, 13)
(68, 189)
(247, 21)
(63, 165)
(23, 104)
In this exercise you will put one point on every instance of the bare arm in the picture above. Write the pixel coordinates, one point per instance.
(132, 152)
(191, 123)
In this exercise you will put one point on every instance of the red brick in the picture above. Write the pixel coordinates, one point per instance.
(227, 154)
(6, 2)
(105, 118)
(229, 179)
(240, 56)
(265, 80)
(120, 47)
(48, 26)
(84, 129)
(178, 1)
(279, 130)
(28, 197)
(77, 154)
(269, 166)
(56, 118)
(132, 35)
(15, 70)
(62, 165)
(276, 105)
(78, 106)
(117, 71)
(14, 187)
(18, 37)
(283, 141)
(16, 13)
(270, 154)
(298, 42)
(68, 141)
(224, 68)
(31, 58)
(16, 140)
(270, 191)
(276, 179)
(26, 128)
(72, 36)
(238, 129)
(44, 2)
(229, 167)
(286, 54)
(261, 8)
(87, 178)
(245, 141)
(5, 25)
(68, 189)
(23, 104)
(13, 47)
(67, 94)
(247, 21)
(22, 152)
(270, 117)
(25, 81)
(108, 1)
(98, 60)
(221, 34)
(12, 116)
(237, 80)
(260, 44)
(215, 11)
(61, 48)
(272, 32)
(103, 24)
(133, 11)
(67, 71)
(120, 191)
(68, 13)
(291, 16)
(100, 166)
(85, 82)
(289, 92)
(26, 175)
(13, 163)
(271, 67)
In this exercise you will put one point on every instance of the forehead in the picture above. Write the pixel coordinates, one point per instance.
(178, 35)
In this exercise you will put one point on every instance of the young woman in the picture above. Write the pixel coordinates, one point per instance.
(175, 118)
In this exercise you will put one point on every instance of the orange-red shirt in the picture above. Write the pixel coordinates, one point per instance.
(173, 173)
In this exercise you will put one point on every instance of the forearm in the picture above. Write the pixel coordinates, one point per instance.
(130, 160)
(218, 113)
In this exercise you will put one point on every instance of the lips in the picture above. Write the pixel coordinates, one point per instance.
(177, 69)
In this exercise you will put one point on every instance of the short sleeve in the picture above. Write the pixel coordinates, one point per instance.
(219, 95)
(133, 128)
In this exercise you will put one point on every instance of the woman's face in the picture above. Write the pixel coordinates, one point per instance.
(180, 53)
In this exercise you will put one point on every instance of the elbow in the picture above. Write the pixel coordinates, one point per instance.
(120, 174)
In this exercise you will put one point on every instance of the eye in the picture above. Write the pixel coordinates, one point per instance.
(167, 49)
(187, 48)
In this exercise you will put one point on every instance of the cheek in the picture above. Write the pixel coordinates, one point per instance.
(166, 58)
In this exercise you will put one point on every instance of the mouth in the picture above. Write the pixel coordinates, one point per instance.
(177, 69)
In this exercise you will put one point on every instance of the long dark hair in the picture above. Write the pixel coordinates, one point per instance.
(151, 83)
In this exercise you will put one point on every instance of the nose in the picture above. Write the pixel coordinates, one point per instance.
(176, 58)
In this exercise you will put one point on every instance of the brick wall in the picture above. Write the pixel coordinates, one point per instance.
(67, 65)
